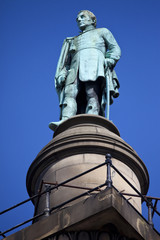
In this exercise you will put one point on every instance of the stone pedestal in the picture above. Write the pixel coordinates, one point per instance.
(106, 216)
(81, 143)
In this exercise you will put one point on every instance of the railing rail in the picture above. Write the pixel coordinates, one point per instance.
(108, 183)
(54, 187)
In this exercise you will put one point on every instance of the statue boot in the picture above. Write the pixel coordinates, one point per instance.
(54, 125)
(93, 106)
(69, 109)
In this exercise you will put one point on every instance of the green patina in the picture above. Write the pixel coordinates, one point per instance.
(85, 79)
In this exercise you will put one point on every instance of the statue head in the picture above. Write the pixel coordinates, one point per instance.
(86, 18)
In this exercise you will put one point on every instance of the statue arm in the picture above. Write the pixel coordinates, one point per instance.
(60, 80)
(113, 50)
(62, 66)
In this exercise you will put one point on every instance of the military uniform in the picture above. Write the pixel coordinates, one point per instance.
(83, 58)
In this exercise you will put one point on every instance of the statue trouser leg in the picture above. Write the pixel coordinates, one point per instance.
(92, 91)
(69, 107)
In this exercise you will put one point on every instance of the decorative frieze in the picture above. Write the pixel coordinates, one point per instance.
(89, 235)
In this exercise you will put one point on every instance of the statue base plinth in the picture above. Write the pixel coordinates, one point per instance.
(78, 144)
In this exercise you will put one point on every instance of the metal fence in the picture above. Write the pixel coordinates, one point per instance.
(108, 184)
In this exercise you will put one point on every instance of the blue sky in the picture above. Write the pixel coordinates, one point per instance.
(32, 34)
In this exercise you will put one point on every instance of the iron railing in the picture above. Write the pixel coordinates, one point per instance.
(108, 183)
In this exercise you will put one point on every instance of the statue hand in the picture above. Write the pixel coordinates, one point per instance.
(109, 62)
(61, 79)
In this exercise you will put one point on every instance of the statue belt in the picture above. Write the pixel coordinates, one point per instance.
(76, 51)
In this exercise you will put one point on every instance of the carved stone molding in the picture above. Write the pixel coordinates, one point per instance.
(81, 143)
(89, 235)
(108, 232)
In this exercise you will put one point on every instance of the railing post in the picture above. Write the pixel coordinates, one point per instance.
(109, 164)
(149, 205)
(47, 202)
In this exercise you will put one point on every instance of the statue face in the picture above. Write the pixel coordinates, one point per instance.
(84, 20)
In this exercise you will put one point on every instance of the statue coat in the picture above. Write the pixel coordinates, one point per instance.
(84, 56)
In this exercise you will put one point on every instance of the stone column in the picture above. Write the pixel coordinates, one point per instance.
(81, 143)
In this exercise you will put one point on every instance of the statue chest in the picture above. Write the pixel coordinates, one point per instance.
(90, 39)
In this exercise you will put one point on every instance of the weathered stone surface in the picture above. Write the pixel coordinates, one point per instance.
(92, 214)
(79, 144)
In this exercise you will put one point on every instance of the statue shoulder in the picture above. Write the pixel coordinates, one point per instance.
(68, 39)
(103, 30)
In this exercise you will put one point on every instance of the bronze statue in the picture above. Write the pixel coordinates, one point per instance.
(85, 79)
